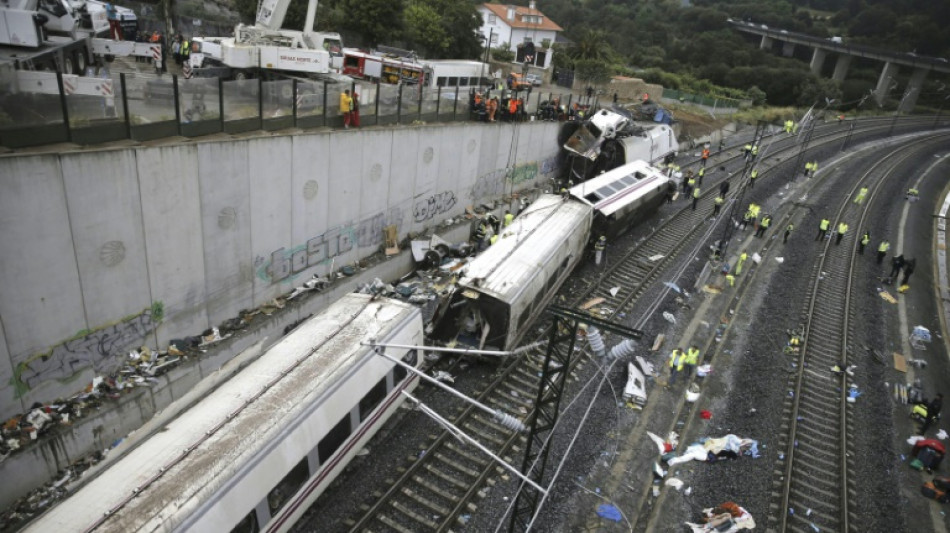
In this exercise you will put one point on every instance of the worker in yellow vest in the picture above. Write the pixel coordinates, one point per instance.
(677, 360)
(865, 239)
(842, 229)
(692, 359)
(882, 250)
(823, 228)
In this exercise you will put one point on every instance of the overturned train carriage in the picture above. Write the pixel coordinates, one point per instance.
(256, 452)
(623, 197)
(506, 287)
(609, 140)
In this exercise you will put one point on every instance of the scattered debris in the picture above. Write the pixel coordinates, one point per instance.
(669, 317)
(655, 258)
(658, 342)
(692, 394)
(614, 291)
(443, 376)
(900, 363)
(609, 512)
(887, 296)
(592, 302)
(674, 482)
(725, 517)
(715, 449)
(673, 286)
(779, 260)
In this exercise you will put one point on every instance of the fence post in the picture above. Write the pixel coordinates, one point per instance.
(260, 103)
(324, 102)
(221, 101)
(438, 102)
(294, 91)
(455, 107)
(177, 102)
(125, 106)
(377, 101)
(62, 103)
(399, 106)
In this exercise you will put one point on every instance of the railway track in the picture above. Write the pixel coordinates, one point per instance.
(443, 484)
(813, 479)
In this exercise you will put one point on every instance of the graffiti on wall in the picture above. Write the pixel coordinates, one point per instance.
(102, 349)
(428, 208)
(285, 264)
(495, 182)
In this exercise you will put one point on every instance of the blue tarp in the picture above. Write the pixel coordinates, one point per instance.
(609, 512)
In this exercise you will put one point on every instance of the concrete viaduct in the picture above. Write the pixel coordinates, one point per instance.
(821, 47)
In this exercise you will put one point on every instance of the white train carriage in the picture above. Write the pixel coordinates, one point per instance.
(622, 197)
(256, 452)
(506, 287)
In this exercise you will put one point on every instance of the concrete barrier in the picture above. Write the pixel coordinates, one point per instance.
(102, 251)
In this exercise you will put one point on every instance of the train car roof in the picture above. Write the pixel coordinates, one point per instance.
(616, 188)
(532, 238)
(325, 352)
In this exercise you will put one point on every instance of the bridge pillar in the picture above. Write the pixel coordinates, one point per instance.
(913, 90)
(788, 49)
(766, 43)
(818, 60)
(884, 82)
(841, 67)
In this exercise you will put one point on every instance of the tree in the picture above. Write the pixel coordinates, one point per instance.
(591, 71)
(424, 28)
(376, 21)
(591, 44)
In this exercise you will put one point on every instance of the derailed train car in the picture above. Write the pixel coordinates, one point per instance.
(504, 289)
(256, 452)
(623, 197)
(610, 139)
(507, 286)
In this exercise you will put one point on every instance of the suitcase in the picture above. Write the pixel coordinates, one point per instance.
(930, 491)
(930, 458)
(942, 483)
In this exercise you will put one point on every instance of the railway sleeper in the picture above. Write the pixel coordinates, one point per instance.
(394, 524)
(489, 436)
(490, 422)
(447, 478)
(809, 489)
(524, 402)
(828, 457)
(478, 459)
(413, 515)
(817, 474)
(455, 465)
(526, 380)
(425, 502)
(438, 485)
(523, 392)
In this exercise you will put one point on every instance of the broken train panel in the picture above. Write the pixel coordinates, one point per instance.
(505, 288)
(265, 444)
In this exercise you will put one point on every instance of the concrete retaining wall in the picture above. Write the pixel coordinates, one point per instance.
(105, 250)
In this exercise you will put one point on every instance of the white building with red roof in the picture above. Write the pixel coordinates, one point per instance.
(518, 26)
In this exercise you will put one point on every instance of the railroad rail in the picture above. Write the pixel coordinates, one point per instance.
(441, 485)
(815, 481)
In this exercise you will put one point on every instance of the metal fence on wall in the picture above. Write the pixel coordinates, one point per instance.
(38, 108)
(710, 101)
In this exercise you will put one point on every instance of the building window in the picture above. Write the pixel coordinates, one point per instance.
(527, 38)
(492, 19)
(494, 38)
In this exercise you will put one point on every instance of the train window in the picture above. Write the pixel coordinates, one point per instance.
(463, 81)
(453, 81)
(628, 180)
(605, 192)
(410, 358)
(288, 486)
(399, 374)
(372, 399)
(639, 175)
(524, 318)
(440, 81)
(592, 198)
(329, 444)
(248, 524)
